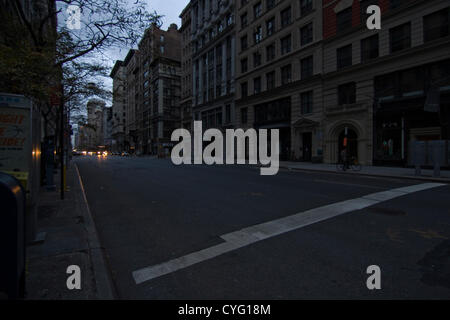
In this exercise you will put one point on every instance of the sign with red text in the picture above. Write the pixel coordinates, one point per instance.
(15, 138)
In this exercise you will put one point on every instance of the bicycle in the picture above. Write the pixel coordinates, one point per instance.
(353, 164)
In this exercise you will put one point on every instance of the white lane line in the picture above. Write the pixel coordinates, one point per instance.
(247, 236)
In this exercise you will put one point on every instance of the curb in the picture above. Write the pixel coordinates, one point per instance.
(429, 179)
(102, 277)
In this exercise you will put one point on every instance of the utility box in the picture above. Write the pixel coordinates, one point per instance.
(428, 153)
(12, 238)
(20, 150)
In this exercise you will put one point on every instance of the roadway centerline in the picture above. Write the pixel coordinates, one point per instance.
(247, 236)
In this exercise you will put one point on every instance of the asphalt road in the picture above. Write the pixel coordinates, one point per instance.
(149, 212)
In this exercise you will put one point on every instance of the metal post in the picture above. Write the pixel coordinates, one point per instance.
(436, 159)
(61, 154)
(417, 159)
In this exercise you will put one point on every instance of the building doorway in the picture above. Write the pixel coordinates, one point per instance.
(350, 142)
(307, 146)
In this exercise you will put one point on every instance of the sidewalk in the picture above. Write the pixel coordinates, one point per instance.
(389, 172)
(70, 240)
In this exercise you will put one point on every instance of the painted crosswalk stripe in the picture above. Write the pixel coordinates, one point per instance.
(247, 236)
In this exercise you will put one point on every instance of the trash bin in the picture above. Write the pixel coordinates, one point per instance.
(12, 238)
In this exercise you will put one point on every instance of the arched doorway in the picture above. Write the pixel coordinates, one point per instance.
(351, 144)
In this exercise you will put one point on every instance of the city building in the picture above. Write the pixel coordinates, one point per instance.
(107, 128)
(186, 68)
(119, 106)
(213, 62)
(158, 112)
(131, 63)
(376, 83)
(95, 111)
(278, 74)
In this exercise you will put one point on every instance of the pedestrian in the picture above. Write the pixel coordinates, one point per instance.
(344, 159)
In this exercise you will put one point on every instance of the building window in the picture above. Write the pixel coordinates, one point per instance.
(305, 7)
(230, 20)
(244, 20)
(257, 85)
(369, 48)
(397, 3)
(306, 34)
(244, 115)
(347, 93)
(244, 89)
(270, 4)
(306, 100)
(273, 111)
(244, 42)
(364, 4)
(436, 25)
(412, 82)
(285, 17)
(400, 37)
(227, 113)
(270, 78)
(244, 65)
(270, 25)
(257, 10)
(286, 45)
(257, 35)
(270, 52)
(344, 57)
(256, 59)
(344, 20)
(307, 66)
(286, 74)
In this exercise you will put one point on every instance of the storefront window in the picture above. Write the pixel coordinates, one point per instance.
(389, 140)
(412, 82)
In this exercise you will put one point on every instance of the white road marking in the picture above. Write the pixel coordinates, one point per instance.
(247, 236)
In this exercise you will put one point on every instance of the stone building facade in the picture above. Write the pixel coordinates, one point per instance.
(119, 107)
(213, 62)
(278, 73)
(376, 82)
(186, 68)
(131, 64)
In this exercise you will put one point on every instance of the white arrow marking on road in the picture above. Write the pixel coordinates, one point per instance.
(247, 236)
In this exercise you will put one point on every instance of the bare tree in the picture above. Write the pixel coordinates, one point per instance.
(36, 43)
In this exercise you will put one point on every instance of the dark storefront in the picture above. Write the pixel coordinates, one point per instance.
(276, 114)
(404, 111)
